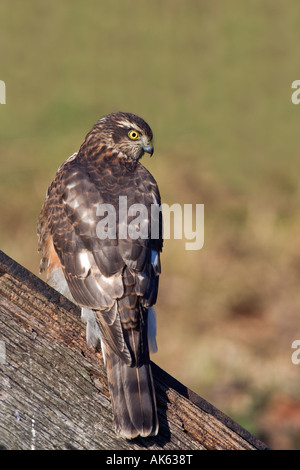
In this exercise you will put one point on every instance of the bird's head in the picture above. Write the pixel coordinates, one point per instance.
(126, 133)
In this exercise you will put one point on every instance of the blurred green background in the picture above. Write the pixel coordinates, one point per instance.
(213, 79)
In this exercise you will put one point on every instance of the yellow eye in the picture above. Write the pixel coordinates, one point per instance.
(133, 135)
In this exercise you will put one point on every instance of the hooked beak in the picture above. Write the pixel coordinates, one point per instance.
(149, 148)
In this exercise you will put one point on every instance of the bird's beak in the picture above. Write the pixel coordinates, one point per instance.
(149, 148)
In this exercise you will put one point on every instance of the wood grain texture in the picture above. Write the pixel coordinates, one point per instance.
(53, 388)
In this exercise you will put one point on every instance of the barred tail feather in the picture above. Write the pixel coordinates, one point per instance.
(133, 398)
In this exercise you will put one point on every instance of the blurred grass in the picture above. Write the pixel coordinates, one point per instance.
(213, 79)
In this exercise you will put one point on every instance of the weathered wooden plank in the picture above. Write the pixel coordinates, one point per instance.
(53, 388)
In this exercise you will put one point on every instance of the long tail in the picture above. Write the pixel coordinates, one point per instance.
(126, 355)
(133, 397)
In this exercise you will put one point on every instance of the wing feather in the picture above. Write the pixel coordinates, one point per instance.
(112, 276)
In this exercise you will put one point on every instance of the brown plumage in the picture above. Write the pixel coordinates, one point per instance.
(113, 279)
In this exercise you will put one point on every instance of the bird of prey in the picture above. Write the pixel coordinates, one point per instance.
(111, 273)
